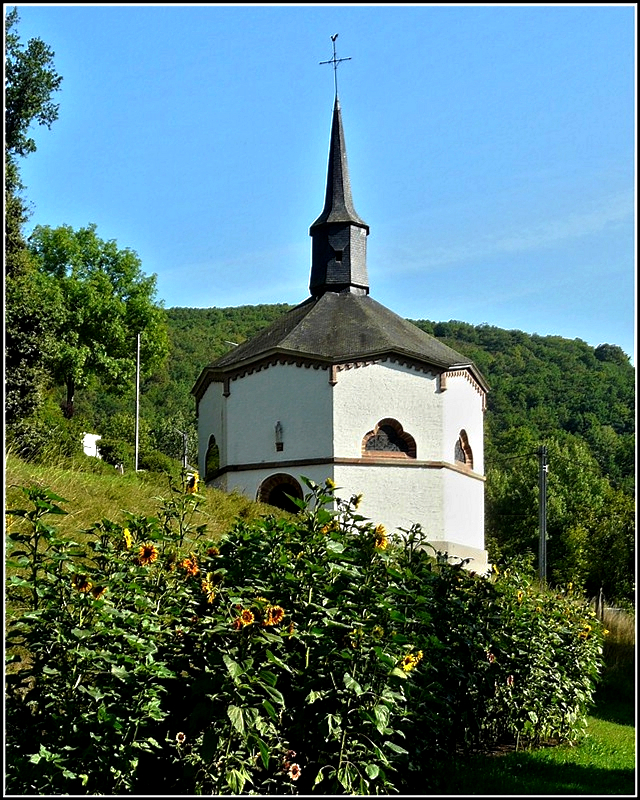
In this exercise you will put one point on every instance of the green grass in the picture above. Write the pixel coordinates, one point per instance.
(93, 491)
(602, 763)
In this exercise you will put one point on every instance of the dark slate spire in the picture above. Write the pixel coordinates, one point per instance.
(338, 236)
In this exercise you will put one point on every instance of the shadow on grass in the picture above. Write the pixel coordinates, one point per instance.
(615, 698)
(612, 709)
(524, 774)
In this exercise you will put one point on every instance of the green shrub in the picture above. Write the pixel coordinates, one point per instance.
(117, 451)
(314, 654)
(155, 461)
(46, 437)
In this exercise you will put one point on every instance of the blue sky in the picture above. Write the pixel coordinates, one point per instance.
(491, 151)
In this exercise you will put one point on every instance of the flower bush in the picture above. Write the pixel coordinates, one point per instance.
(315, 654)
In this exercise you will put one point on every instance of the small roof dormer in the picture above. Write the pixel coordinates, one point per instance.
(339, 235)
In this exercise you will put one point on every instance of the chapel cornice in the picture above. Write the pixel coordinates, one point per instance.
(381, 461)
(225, 376)
(466, 374)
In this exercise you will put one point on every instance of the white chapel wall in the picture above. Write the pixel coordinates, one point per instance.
(463, 509)
(297, 397)
(210, 423)
(462, 410)
(395, 496)
(365, 395)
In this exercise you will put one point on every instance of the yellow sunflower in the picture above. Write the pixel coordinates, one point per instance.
(408, 662)
(380, 538)
(190, 565)
(81, 583)
(208, 588)
(246, 616)
(147, 554)
(273, 615)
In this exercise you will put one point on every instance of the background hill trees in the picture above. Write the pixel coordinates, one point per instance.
(577, 400)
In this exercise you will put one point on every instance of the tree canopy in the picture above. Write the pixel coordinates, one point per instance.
(104, 301)
(30, 81)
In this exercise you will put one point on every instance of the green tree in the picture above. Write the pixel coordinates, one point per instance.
(106, 301)
(30, 81)
(30, 299)
(611, 549)
(590, 524)
(31, 313)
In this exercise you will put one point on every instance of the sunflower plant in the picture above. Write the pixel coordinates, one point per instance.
(315, 654)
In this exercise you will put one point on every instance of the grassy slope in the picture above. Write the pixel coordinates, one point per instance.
(93, 492)
(92, 496)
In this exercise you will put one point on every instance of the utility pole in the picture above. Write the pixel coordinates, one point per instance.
(543, 469)
(137, 398)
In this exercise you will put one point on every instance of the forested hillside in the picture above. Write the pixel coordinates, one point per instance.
(577, 400)
(546, 386)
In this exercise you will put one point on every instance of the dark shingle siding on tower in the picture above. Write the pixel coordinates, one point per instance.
(338, 203)
(338, 228)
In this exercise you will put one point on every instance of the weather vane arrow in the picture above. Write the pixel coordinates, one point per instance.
(335, 61)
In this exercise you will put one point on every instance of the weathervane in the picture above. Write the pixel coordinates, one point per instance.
(335, 61)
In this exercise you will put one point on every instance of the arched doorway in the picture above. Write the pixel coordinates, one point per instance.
(278, 490)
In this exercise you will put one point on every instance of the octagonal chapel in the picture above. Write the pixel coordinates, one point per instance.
(341, 387)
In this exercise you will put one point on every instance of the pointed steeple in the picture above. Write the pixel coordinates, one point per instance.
(338, 236)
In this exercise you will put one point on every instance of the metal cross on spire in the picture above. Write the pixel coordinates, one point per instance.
(335, 61)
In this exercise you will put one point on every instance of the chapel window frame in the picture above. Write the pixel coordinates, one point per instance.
(389, 431)
(463, 454)
(212, 449)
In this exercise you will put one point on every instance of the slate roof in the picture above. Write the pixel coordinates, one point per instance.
(338, 203)
(342, 327)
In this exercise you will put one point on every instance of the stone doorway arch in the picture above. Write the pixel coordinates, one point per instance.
(278, 489)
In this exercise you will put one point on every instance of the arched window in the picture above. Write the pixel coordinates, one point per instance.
(389, 439)
(212, 459)
(278, 490)
(463, 454)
